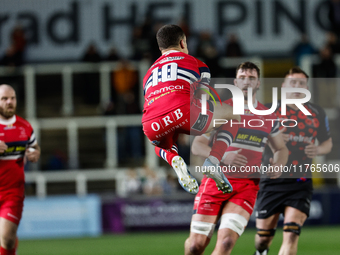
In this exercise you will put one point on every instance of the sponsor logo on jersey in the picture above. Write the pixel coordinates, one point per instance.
(169, 89)
(170, 59)
(249, 139)
(10, 127)
(167, 120)
(14, 149)
(155, 98)
(300, 138)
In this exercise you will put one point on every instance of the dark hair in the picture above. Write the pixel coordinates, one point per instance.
(248, 66)
(169, 36)
(294, 70)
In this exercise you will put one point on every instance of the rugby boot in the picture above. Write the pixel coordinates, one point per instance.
(187, 181)
(214, 172)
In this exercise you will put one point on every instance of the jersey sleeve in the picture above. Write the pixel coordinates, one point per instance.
(204, 72)
(32, 140)
(275, 129)
(323, 130)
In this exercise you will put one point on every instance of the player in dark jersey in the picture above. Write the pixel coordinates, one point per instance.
(171, 107)
(244, 152)
(292, 193)
(17, 140)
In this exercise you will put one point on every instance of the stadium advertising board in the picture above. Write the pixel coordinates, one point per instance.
(129, 214)
(59, 30)
(61, 216)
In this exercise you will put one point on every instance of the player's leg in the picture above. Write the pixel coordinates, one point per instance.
(163, 133)
(293, 221)
(185, 178)
(207, 208)
(265, 233)
(233, 222)
(168, 150)
(201, 230)
(7, 236)
(269, 205)
(10, 216)
(235, 214)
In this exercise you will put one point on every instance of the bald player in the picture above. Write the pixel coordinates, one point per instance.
(17, 141)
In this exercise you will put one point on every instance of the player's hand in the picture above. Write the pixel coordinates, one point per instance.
(235, 159)
(32, 154)
(3, 147)
(284, 136)
(273, 172)
(311, 150)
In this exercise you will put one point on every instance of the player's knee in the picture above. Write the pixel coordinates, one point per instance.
(264, 237)
(262, 243)
(8, 242)
(201, 233)
(196, 247)
(228, 243)
(292, 227)
(292, 231)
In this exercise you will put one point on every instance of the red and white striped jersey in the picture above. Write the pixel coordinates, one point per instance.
(18, 134)
(171, 82)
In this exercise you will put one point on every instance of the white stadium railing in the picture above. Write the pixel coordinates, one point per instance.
(81, 179)
(72, 125)
(66, 70)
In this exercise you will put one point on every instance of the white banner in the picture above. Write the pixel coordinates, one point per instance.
(59, 30)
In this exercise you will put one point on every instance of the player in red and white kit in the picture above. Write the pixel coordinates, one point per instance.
(171, 108)
(17, 140)
(235, 209)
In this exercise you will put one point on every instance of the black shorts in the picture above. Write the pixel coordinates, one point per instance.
(272, 202)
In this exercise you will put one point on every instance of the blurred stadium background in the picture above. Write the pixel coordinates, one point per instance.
(77, 67)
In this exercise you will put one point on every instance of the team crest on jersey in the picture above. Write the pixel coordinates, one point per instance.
(9, 127)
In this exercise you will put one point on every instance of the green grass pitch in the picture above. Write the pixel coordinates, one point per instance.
(313, 241)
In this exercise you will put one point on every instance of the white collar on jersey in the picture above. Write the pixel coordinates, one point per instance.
(8, 121)
(246, 105)
(170, 51)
